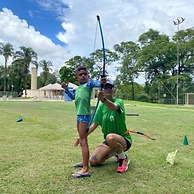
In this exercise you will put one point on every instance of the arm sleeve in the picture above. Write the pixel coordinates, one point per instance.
(93, 83)
(71, 94)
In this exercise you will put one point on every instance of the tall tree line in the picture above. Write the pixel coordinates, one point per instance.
(154, 55)
(16, 76)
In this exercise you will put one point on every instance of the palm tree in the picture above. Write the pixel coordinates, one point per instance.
(46, 68)
(7, 51)
(25, 57)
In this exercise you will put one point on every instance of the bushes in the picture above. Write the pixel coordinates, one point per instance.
(143, 98)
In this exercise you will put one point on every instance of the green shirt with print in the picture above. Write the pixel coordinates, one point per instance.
(112, 121)
(82, 99)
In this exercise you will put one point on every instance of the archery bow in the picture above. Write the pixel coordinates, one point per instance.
(103, 69)
(103, 48)
(139, 133)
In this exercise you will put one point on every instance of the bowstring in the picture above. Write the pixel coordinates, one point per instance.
(95, 38)
(94, 112)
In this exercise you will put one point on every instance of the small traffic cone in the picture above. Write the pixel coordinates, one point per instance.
(185, 140)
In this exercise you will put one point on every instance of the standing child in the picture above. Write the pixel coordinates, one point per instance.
(82, 103)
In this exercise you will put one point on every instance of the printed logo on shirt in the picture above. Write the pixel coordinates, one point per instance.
(111, 118)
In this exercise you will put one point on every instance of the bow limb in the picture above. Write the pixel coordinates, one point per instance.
(103, 47)
(103, 70)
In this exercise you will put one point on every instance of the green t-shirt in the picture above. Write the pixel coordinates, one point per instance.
(112, 121)
(83, 95)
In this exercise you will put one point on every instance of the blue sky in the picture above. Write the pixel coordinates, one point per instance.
(60, 29)
(45, 20)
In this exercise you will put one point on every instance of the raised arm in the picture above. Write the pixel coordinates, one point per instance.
(110, 105)
(67, 91)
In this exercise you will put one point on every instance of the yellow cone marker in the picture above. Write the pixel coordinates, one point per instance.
(35, 118)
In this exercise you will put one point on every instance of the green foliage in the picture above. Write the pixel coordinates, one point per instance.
(37, 156)
(97, 58)
(127, 52)
(129, 91)
(143, 98)
(67, 75)
(24, 57)
(93, 64)
(46, 66)
(7, 51)
(51, 79)
(67, 72)
(161, 59)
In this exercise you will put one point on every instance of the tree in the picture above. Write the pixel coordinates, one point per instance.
(185, 42)
(153, 55)
(1, 77)
(46, 68)
(51, 79)
(67, 72)
(127, 52)
(66, 75)
(157, 58)
(97, 58)
(25, 57)
(7, 51)
(16, 75)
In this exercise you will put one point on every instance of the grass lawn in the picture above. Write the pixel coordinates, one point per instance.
(36, 156)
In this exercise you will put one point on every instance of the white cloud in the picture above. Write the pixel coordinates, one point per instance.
(19, 33)
(121, 20)
(68, 34)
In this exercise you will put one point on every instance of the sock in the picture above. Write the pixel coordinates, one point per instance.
(121, 155)
(112, 154)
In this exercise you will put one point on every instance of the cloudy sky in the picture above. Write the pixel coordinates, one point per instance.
(60, 29)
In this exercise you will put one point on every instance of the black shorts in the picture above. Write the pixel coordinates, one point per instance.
(127, 143)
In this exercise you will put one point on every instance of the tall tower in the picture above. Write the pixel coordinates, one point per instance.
(34, 78)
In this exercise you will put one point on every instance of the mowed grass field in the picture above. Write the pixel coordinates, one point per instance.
(37, 154)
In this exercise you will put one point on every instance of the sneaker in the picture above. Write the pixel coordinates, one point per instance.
(123, 165)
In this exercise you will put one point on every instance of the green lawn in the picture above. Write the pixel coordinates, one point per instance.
(37, 156)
